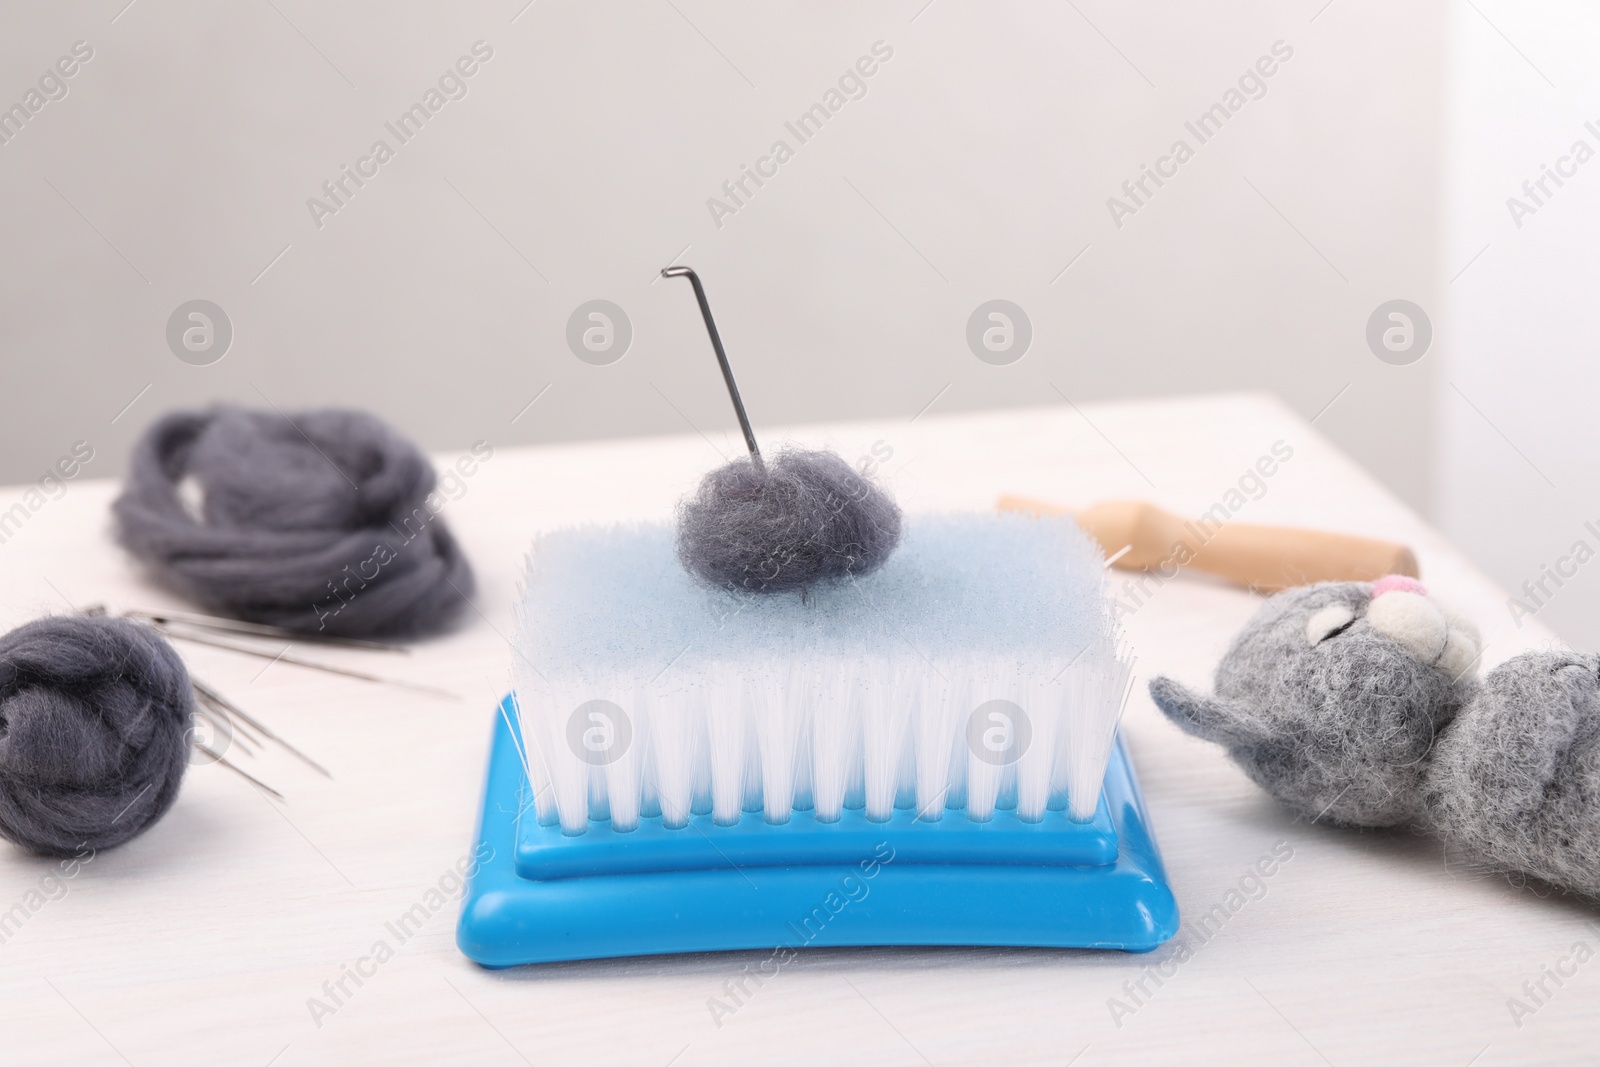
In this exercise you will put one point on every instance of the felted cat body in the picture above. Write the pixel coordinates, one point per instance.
(1355, 704)
(1516, 777)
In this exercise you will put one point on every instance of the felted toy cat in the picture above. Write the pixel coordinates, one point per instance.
(1357, 704)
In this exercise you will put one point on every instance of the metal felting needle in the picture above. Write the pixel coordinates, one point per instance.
(222, 713)
(722, 359)
(257, 629)
(247, 776)
(286, 656)
(227, 707)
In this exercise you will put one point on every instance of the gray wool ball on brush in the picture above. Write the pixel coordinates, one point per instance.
(95, 720)
(785, 524)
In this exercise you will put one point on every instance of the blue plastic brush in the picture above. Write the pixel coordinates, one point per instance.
(921, 750)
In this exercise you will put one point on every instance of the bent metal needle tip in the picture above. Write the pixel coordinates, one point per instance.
(722, 358)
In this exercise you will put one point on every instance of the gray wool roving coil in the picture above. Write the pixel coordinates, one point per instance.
(316, 522)
(95, 715)
(1355, 705)
(797, 519)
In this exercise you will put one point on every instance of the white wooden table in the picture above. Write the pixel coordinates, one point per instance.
(206, 939)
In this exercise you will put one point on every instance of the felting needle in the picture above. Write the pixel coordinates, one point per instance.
(258, 783)
(722, 359)
(285, 657)
(217, 699)
(220, 715)
(225, 726)
(239, 626)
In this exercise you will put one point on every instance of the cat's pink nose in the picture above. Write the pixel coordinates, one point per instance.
(1397, 583)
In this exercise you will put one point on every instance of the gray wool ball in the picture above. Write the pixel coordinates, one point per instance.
(316, 522)
(804, 517)
(1337, 725)
(1515, 782)
(95, 715)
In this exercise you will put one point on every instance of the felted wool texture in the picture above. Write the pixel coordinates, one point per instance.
(316, 522)
(1340, 730)
(1515, 782)
(95, 716)
(806, 517)
(1426, 629)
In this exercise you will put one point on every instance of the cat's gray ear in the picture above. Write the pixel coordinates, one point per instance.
(1210, 718)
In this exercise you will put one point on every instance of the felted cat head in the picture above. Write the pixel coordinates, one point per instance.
(1333, 695)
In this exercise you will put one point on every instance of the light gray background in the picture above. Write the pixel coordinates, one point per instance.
(976, 167)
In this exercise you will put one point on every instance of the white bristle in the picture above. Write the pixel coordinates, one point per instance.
(778, 734)
(934, 744)
(884, 714)
(725, 730)
(1034, 766)
(835, 739)
(959, 689)
(1101, 679)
